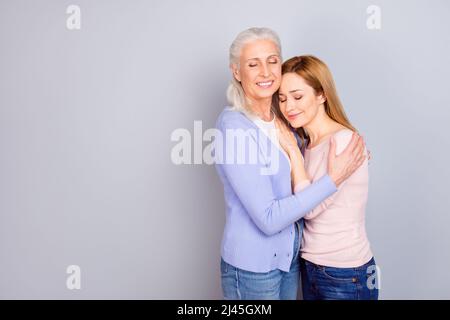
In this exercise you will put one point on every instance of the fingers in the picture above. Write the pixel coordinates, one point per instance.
(360, 159)
(359, 162)
(332, 151)
(280, 125)
(358, 142)
(355, 164)
(285, 130)
(353, 143)
(359, 148)
(277, 124)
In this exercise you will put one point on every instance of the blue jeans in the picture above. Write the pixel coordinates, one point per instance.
(238, 284)
(329, 283)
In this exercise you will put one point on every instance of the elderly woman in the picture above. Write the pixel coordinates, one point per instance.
(261, 240)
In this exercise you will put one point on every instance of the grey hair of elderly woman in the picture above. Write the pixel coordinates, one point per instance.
(235, 93)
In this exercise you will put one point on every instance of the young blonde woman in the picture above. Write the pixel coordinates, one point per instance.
(261, 239)
(336, 259)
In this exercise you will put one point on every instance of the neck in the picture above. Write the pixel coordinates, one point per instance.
(320, 126)
(262, 108)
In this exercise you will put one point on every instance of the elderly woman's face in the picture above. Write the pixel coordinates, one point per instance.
(260, 69)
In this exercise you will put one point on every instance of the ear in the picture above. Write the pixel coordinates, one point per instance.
(321, 98)
(235, 71)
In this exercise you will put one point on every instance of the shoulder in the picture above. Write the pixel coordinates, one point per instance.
(342, 139)
(233, 119)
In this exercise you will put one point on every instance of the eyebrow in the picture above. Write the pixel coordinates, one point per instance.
(271, 56)
(292, 91)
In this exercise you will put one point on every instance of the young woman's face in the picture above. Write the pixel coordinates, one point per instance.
(260, 69)
(299, 103)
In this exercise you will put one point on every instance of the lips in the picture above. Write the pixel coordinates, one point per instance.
(264, 84)
(294, 115)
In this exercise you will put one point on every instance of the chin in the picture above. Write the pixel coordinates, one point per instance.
(266, 94)
(297, 124)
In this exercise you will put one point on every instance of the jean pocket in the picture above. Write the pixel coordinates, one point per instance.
(223, 266)
(340, 274)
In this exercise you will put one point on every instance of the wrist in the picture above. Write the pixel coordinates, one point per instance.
(301, 185)
(294, 151)
(337, 180)
(298, 173)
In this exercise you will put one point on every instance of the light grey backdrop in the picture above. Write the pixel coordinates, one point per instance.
(86, 117)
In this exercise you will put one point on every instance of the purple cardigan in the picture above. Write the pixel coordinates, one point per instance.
(260, 208)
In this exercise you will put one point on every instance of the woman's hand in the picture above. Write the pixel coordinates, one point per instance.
(286, 138)
(342, 166)
(289, 143)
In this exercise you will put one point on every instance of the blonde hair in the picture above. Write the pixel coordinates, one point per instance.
(235, 93)
(317, 74)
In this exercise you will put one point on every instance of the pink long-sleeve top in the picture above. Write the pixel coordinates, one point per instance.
(335, 233)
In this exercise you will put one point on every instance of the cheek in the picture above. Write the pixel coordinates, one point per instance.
(277, 76)
(310, 106)
(246, 81)
(250, 78)
(276, 71)
(246, 73)
(277, 83)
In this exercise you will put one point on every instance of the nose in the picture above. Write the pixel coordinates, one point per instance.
(289, 105)
(264, 70)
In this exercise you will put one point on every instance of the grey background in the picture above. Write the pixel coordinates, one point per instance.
(86, 118)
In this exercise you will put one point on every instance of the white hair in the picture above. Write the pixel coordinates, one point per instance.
(235, 93)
